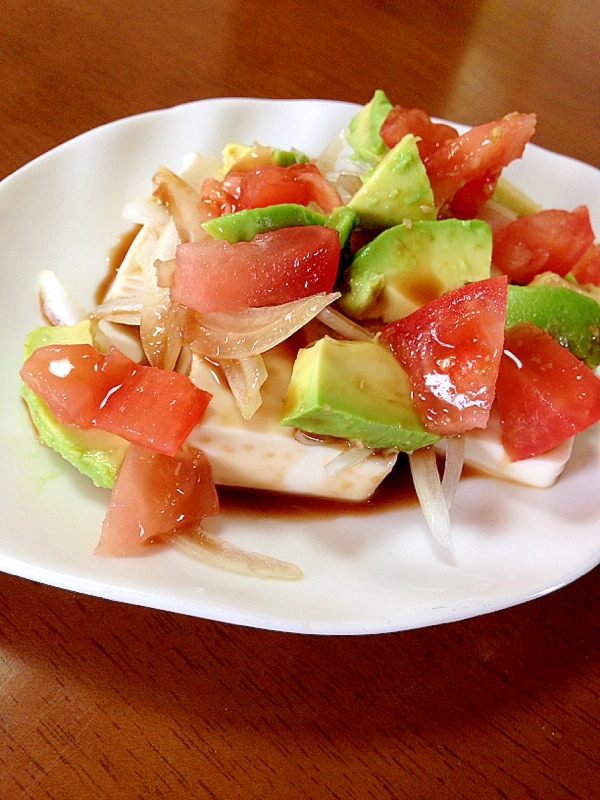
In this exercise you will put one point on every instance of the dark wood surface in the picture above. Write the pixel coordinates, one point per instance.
(105, 700)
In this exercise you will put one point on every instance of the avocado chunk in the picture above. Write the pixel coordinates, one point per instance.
(93, 452)
(397, 189)
(409, 265)
(571, 317)
(363, 131)
(343, 220)
(356, 391)
(246, 224)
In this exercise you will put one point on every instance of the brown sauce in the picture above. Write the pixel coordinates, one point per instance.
(395, 492)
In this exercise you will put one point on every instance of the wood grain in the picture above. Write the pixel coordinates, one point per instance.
(104, 700)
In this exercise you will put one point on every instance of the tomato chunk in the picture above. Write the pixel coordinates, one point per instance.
(479, 154)
(545, 394)
(587, 269)
(451, 350)
(275, 267)
(269, 185)
(148, 406)
(401, 121)
(156, 495)
(552, 240)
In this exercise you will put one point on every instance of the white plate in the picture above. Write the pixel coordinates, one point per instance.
(363, 574)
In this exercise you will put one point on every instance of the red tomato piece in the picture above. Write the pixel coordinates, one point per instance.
(67, 380)
(451, 350)
(468, 200)
(587, 269)
(481, 151)
(156, 495)
(216, 200)
(545, 394)
(299, 183)
(149, 406)
(155, 408)
(401, 121)
(552, 240)
(275, 267)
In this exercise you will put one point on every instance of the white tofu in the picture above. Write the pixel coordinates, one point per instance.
(484, 451)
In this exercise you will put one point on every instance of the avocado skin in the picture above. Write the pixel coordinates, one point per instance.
(397, 189)
(407, 266)
(356, 391)
(572, 318)
(95, 453)
(363, 131)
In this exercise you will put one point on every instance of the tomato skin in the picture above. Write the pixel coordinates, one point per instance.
(154, 496)
(275, 267)
(552, 240)
(587, 269)
(478, 154)
(451, 349)
(545, 394)
(145, 405)
(401, 121)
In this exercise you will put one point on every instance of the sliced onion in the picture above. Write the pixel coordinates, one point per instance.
(58, 305)
(215, 552)
(255, 330)
(145, 211)
(426, 479)
(455, 459)
(182, 202)
(346, 459)
(347, 328)
(123, 310)
(162, 319)
(245, 377)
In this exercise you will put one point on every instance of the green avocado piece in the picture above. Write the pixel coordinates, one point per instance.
(93, 452)
(243, 226)
(407, 266)
(397, 189)
(356, 391)
(285, 158)
(343, 220)
(511, 197)
(572, 318)
(363, 130)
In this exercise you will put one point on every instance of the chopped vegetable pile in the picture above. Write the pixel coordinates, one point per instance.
(300, 322)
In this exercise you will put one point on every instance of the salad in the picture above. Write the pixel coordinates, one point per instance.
(253, 280)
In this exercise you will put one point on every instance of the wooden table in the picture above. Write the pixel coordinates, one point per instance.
(105, 700)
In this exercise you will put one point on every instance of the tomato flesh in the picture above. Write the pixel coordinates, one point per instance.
(156, 495)
(269, 185)
(545, 394)
(451, 350)
(145, 405)
(587, 269)
(401, 121)
(275, 267)
(552, 240)
(478, 155)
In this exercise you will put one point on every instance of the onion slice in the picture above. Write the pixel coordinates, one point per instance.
(245, 377)
(347, 459)
(58, 305)
(346, 327)
(426, 479)
(183, 203)
(216, 552)
(455, 459)
(255, 330)
(126, 310)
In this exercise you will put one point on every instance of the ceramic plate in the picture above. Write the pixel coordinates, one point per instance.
(363, 573)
